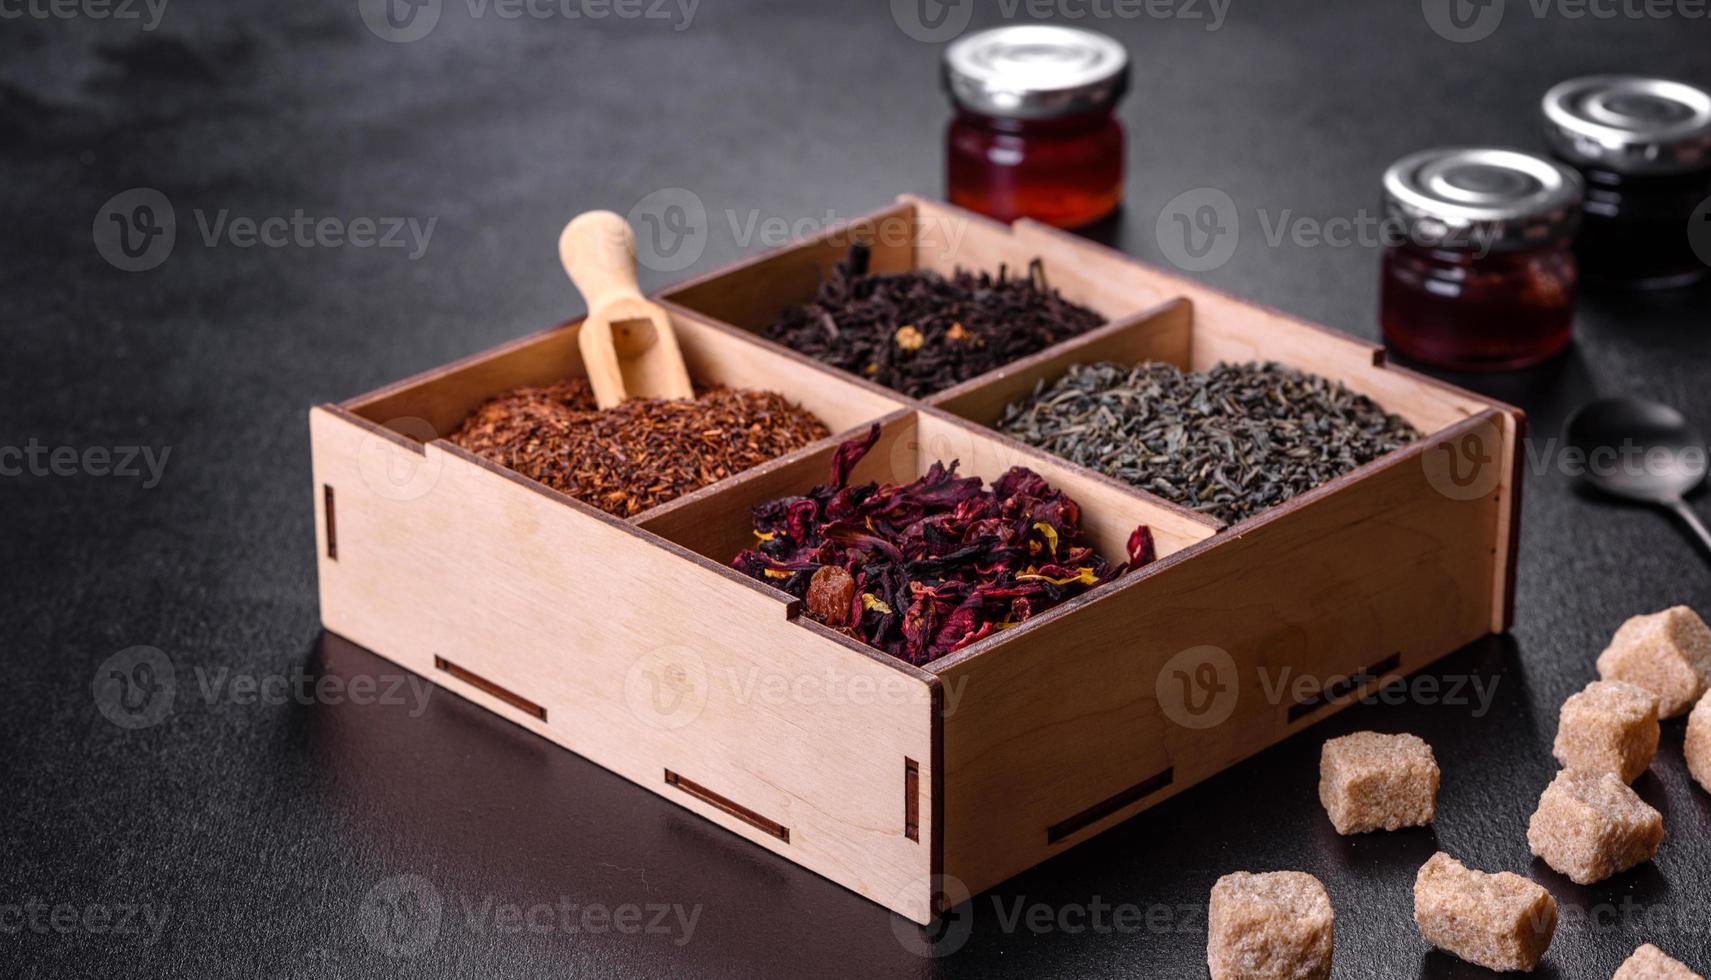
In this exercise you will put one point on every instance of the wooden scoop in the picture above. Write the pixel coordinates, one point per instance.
(628, 347)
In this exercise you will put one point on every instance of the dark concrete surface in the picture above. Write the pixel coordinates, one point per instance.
(231, 838)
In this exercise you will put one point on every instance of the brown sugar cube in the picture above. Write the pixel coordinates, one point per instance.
(1611, 726)
(1650, 963)
(1590, 826)
(1667, 653)
(1275, 926)
(1369, 781)
(1699, 743)
(1498, 921)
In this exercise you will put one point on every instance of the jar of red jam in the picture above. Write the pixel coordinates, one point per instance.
(1035, 133)
(1479, 274)
(1643, 146)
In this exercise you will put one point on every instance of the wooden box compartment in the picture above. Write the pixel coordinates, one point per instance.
(633, 643)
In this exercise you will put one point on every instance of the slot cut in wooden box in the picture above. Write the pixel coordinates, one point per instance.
(632, 643)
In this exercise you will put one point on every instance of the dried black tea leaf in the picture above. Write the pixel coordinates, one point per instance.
(920, 333)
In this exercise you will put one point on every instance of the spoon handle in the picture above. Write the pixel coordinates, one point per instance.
(1691, 519)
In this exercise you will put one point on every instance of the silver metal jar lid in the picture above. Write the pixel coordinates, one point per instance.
(1483, 199)
(1630, 124)
(1035, 71)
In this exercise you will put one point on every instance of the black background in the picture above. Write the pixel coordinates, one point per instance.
(260, 830)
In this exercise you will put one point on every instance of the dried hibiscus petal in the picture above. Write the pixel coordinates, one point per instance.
(925, 568)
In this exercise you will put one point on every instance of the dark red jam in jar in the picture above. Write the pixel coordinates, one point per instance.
(1643, 146)
(1480, 275)
(1035, 133)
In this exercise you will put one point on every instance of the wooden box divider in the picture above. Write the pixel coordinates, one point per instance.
(633, 643)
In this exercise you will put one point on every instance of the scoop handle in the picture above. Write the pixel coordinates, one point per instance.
(598, 250)
(1689, 517)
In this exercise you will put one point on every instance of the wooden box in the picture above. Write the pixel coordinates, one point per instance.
(632, 643)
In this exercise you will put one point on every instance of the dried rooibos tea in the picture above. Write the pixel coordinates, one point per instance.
(640, 454)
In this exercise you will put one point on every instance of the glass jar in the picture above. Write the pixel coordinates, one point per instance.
(1035, 133)
(1643, 146)
(1479, 274)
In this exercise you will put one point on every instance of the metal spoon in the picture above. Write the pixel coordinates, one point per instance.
(1642, 451)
